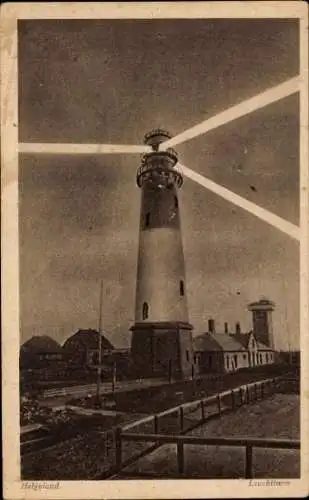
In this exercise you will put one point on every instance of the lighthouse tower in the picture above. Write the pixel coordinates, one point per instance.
(161, 336)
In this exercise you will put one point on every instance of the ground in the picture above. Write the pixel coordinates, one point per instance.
(277, 417)
(91, 453)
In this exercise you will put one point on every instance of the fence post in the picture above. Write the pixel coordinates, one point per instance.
(266, 385)
(180, 457)
(255, 392)
(219, 404)
(181, 419)
(248, 463)
(156, 424)
(233, 399)
(273, 385)
(203, 409)
(118, 445)
(240, 397)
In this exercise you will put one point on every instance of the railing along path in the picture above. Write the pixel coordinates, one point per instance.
(227, 400)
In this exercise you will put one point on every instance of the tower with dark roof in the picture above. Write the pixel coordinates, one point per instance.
(262, 321)
(161, 334)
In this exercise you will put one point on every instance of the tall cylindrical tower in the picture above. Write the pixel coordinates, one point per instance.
(161, 335)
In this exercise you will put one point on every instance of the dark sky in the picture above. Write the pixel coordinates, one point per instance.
(112, 81)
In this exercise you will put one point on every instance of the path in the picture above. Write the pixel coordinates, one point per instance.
(276, 417)
(58, 397)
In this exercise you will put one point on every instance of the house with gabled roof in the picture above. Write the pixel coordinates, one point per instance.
(83, 347)
(229, 352)
(39, 350)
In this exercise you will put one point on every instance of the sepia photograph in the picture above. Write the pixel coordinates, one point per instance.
(159, 211)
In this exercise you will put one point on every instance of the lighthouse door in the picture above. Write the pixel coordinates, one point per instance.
(160, 353)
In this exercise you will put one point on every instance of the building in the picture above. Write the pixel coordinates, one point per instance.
(41, 359)
(119, 361)
(228, 352)
(39, 351)
(291, 357)
(82, 348)
(262, 320)
(161, 335)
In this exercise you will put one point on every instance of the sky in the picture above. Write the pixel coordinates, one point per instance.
(111, 81)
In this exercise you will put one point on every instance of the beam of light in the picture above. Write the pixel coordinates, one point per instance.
(79, 149)
(245, 107)
(272, 219)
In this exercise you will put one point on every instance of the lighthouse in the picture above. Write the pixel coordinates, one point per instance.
(161, 335)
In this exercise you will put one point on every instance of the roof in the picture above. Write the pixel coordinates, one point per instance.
(242, 338)
(90, 338)
(263, 347)
(225, 342)
(217, 342)
(40, 344)
(263, 303)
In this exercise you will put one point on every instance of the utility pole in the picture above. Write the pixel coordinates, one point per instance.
(99, 370)
(286, 322)
(170, 372)
(114, 376)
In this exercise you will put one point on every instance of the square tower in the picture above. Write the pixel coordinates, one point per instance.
(262, 321)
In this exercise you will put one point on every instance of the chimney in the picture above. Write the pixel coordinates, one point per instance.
(211, 326)
(226, 327)
(238, 330)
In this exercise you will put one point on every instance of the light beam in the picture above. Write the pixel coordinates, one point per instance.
(245, 107)
(272, 219)
(80, 149)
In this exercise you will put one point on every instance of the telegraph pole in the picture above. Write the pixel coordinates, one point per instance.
(114, 376)
(99, 370)
(286, 322)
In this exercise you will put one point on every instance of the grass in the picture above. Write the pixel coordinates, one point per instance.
(156, 399)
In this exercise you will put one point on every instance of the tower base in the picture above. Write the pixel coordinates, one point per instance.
(162, 349)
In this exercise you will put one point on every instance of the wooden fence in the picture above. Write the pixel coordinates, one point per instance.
(204, 409)
(248, 444)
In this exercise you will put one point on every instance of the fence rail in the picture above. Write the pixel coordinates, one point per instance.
(225, 401)
(240, 395)
(180, 441)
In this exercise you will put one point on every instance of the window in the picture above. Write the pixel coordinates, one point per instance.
(194, 358)
(176, 201)
(261, 359)
(147, 219)
(181, 288)
(235, 360)
(228, 362)
(266, 358)
(187, 355)
(244, 356)
(145, 310)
